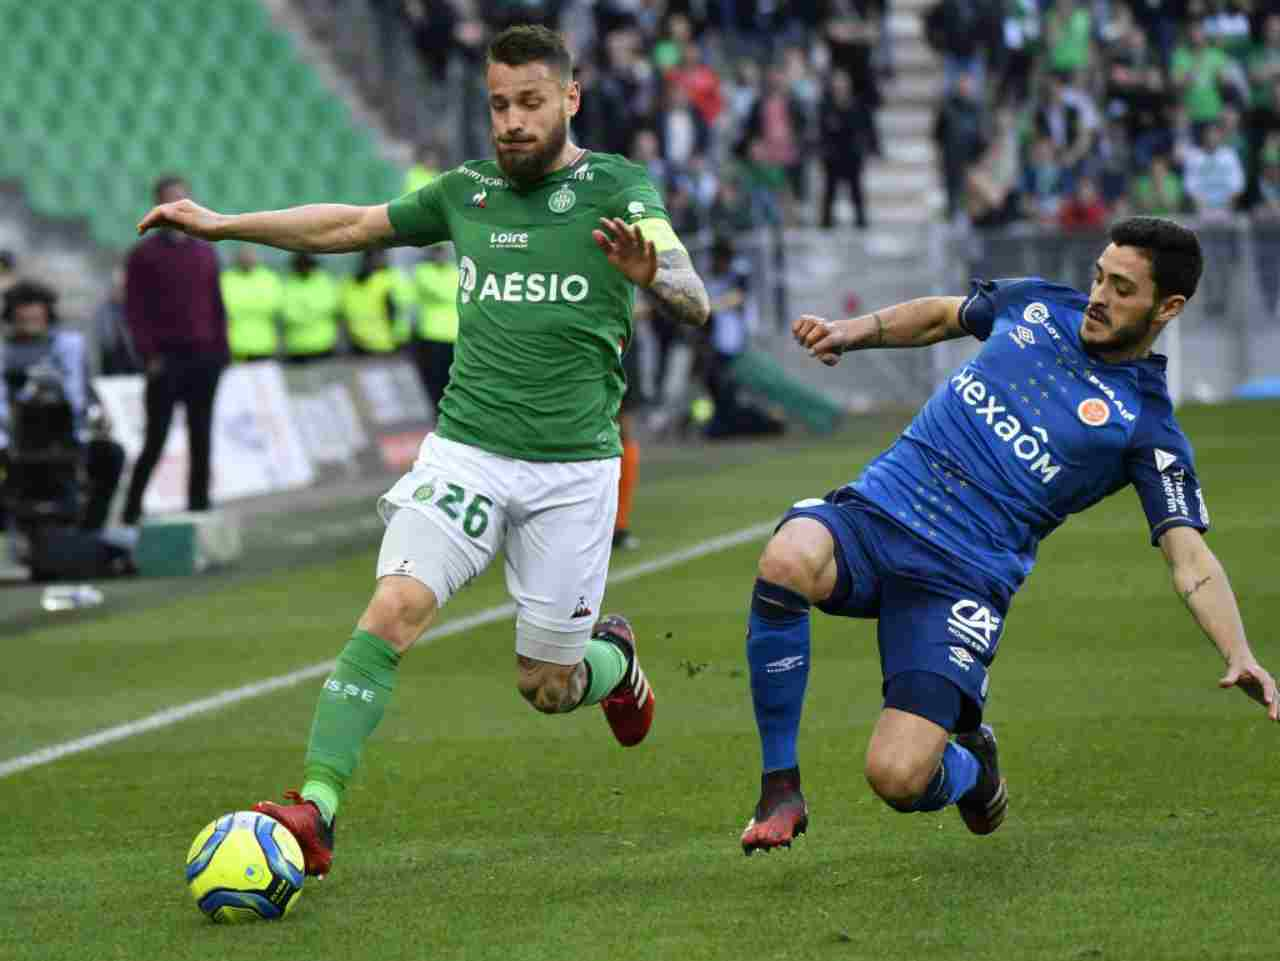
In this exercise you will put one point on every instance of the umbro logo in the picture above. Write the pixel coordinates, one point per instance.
(784, 664)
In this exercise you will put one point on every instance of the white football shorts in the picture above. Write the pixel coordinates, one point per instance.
(553, 520)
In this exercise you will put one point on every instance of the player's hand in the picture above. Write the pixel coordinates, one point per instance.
(1253, 679)
(824, 339)
(627, 250)
(185, 215)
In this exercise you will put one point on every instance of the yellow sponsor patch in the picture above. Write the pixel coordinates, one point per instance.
(660, 233)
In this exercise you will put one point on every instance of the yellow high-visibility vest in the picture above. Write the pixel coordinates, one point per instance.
(253, 299)
(310, 313)
(369, 307)
(436, 289)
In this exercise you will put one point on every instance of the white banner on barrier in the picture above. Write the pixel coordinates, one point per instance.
(257, 448)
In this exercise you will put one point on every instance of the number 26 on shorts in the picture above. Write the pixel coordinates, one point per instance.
(474, 517)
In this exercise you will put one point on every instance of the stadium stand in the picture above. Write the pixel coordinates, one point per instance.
(99, 99)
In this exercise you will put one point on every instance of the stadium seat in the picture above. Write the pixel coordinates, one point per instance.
(100, 98)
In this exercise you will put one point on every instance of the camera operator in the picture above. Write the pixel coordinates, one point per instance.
(39, 360)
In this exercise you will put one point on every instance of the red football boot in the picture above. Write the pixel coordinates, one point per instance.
(629, 709)
(781, 813)
(308, 827)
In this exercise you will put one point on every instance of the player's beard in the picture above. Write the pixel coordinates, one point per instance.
(529, 166)
(1125, 339)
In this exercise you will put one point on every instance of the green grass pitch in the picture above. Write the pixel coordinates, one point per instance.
(1143, 820)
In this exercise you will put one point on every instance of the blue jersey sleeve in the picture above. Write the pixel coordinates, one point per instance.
(987, 298)
(1160, 466)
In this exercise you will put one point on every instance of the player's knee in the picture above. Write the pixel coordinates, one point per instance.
(400, 611)
(785, 564)
(549, 688)
(898, 781)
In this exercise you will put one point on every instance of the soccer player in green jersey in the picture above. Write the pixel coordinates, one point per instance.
(552, 240)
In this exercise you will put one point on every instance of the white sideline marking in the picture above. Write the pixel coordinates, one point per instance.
(204, 705)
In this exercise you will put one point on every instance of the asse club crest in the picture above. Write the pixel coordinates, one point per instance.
(562, 201)
(423, 494)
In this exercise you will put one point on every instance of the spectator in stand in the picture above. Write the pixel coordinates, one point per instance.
(966, 33)
(1198, 70)
(731, 211)
(742, 93)
(1266, 231)
(1044, 182)
(173, 305)
(700, 182)
(253, 295)
(681, 131)
(669, 52)
(764, 182)
(1068, 33)
(646, 150)
(700, 83)
(1214, 175)
(776, 134)
(111, 331)
(8, 270)
(845, 125)
(1264, 77)
(1022, 45)
(1069, 119)
(1084, 209)
(1112, 165)
(1137, 92)
(1159, 20)
(959, 130)
(1158, 192)
(310, 311)
(432, 26)
(1226, 23)
(991, 188)
(851, 29)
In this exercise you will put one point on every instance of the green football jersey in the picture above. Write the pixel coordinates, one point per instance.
(543, 317)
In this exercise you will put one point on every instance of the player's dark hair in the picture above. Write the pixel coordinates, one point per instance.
(531, 43)
(28, 292)
(1174, 252)
(164, 183)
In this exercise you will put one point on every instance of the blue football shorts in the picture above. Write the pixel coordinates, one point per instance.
(934, 614)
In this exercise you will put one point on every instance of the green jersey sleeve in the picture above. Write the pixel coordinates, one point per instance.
(640, 205)
(419, 218)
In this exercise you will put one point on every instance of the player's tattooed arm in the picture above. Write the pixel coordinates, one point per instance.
(679, 289)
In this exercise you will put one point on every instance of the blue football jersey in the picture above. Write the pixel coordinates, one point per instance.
(1033, 429)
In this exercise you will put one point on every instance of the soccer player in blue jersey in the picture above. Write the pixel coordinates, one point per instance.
(1064, 405)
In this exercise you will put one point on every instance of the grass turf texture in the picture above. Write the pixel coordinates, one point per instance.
(1142, 824)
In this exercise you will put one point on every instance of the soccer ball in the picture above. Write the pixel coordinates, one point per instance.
(245, 866)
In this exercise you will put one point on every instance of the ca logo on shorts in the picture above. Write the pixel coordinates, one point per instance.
(974, 624)
(424, 493)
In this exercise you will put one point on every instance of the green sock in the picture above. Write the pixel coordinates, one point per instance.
(350, 706)
(608, 662)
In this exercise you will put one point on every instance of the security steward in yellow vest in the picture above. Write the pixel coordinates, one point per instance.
(371, 302)
(310, 312)
(253, 294)
(435, 287)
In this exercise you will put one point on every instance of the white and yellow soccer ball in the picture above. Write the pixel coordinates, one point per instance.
(245, 866)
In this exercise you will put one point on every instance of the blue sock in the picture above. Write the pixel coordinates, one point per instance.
(957, 773)
(778, 656)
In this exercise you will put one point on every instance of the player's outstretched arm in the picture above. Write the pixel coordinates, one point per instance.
(313, 228)
(1201, 582)
(915, 323)
(669, 276)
